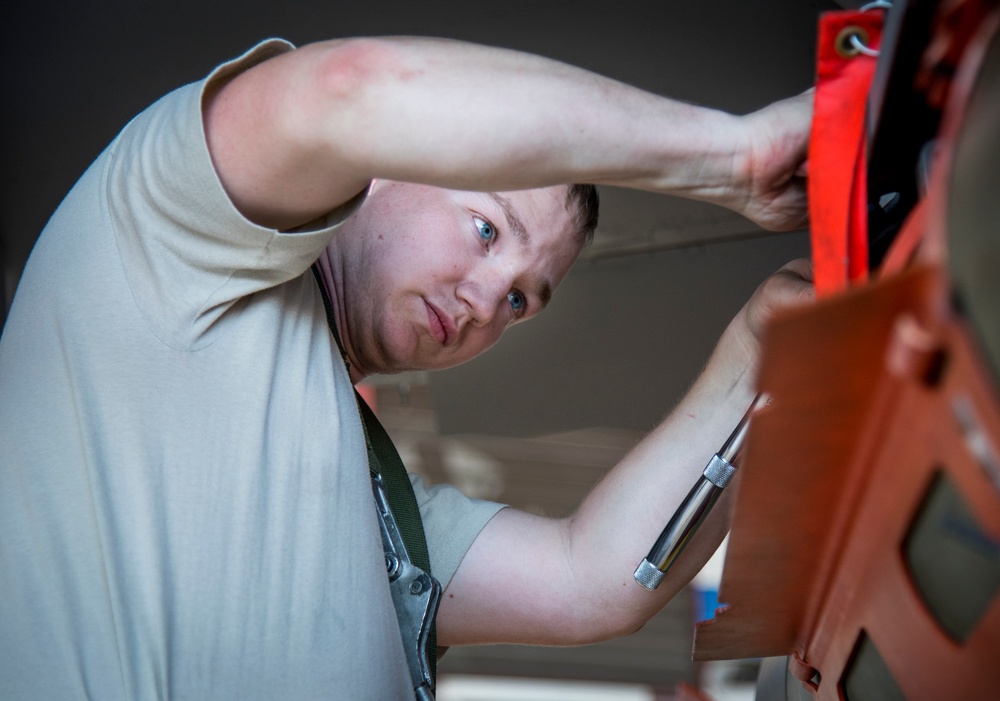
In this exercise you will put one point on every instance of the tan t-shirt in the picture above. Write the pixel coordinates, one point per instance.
(185, 508)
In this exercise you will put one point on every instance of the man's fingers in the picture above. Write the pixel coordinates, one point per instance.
(800, 266)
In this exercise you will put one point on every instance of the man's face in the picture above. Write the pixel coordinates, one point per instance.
(427, 278)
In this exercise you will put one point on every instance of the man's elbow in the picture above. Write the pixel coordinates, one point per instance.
(607, 619)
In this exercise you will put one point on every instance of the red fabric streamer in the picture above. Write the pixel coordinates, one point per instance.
(837, 157)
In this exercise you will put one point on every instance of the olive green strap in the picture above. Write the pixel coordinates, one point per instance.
(383, 459)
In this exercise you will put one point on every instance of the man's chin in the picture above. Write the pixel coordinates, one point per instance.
(423, 357)
(425, 365)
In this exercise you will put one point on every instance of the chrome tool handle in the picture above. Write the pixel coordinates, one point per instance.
(696, 505)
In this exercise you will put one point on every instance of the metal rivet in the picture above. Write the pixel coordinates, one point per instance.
(392, 566)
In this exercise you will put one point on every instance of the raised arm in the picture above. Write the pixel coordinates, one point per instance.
(530, 579)
(303, 132)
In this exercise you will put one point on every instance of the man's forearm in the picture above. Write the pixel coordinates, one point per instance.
(624, 515)
(531, 579)
(473, 117)
(301, 132)
(534, 580)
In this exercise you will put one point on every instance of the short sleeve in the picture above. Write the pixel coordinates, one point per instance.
(189, 255)
(451, 522)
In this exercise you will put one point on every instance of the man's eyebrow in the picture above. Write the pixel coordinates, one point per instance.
(513, 220)
(545, 294)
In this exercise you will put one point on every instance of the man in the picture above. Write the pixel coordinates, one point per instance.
(185, 509)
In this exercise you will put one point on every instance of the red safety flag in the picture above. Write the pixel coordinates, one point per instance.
(837, 157)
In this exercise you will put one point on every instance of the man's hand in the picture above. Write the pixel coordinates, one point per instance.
(769, 174)
(790, 286)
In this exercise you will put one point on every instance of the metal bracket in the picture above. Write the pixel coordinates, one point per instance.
(415, 595)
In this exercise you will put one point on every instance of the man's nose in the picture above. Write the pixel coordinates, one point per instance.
(484, 293)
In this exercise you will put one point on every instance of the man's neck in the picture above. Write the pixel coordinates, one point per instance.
(325, 265)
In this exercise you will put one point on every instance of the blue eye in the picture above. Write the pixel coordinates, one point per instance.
(486, 231)
(516, 301)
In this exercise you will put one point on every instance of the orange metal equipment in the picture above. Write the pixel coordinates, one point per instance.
(866, 536)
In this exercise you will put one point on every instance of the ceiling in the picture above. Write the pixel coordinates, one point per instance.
(638, 315)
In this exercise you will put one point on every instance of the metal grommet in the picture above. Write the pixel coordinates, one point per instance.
(860, 46)
(851, 41)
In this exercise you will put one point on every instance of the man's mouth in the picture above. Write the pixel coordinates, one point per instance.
(442, 329)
